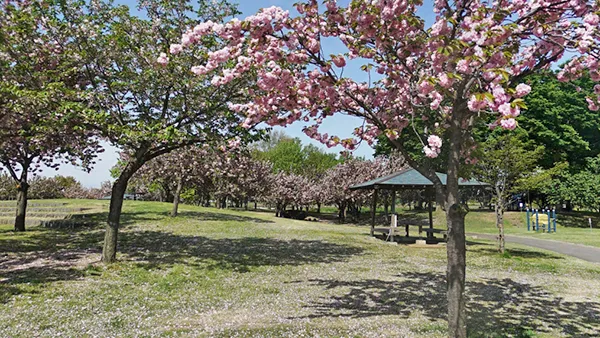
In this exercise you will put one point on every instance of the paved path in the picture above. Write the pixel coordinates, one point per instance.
(587, 253)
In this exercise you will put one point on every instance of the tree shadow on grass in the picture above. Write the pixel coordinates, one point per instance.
(98, 219)
(578, 219)
(41, 256)
(51, 255)
(158, 249)
(215, 216)
(497, 307)
(23, 281)
(517, 253)
(41, 261)
(129, 218)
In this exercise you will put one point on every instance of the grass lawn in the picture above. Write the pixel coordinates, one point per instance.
(571, 227)
(223, 273)
(516, 224)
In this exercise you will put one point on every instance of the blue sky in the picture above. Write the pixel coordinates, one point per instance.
(340, 125)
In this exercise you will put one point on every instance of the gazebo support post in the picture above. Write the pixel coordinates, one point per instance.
(373, 211)
(430, 195)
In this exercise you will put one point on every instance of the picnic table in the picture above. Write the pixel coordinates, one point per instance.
(402, 227)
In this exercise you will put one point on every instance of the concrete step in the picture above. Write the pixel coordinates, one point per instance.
(33, 204)
(51, 215)
(46, 210)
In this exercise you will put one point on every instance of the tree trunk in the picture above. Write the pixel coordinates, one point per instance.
(456, 246)
(500, 224)
(177, 197)
(318, 208)
(342, 213)
(455, 274)
(21, 203)
(109, 251)
(207, 203)
(168, 194)
(386, 205)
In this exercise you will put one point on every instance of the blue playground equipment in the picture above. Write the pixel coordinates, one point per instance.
(544, 219)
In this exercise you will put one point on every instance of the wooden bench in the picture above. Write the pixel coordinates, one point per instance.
(437, 231)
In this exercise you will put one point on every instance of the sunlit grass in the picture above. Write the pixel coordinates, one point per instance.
(228, 273)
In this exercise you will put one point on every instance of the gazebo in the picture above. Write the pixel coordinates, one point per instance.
(407, 178)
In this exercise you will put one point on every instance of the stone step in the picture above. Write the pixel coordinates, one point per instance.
(47, 210)
(50, 215)
(28, 221)
(33, 204)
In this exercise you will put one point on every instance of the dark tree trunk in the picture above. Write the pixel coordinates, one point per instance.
(177, 197)
(500, 223)
(456, 252)
(207, 200)
(456, 246)
(318, 208)
(255, 206)
(342, 211)
(168, 194)
(386, 206)
(109, 251)
(21, 203)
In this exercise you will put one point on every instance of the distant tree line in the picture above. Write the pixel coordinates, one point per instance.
(279, 172)
(52, 188)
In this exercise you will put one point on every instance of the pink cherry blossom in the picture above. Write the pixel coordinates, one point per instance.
(505, 109)
(509, 124)
(522, 90)
(434, 141)
(431, 153)
(339, 61)
(175, 49)
(162, 60)
(592, 105)
(591, 19)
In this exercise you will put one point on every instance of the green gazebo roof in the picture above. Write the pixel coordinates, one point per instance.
(409, 178)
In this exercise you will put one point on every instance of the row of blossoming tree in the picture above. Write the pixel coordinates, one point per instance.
(202, 175)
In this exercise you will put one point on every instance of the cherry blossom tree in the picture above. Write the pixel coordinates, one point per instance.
(286, 190)
(338, 179)
(176, 170)
(317, 192)
(463, 70)
(42, 100)
(239, 177)
(151, 103)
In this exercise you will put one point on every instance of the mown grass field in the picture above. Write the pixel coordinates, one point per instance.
(221, 273)
(571, 227)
